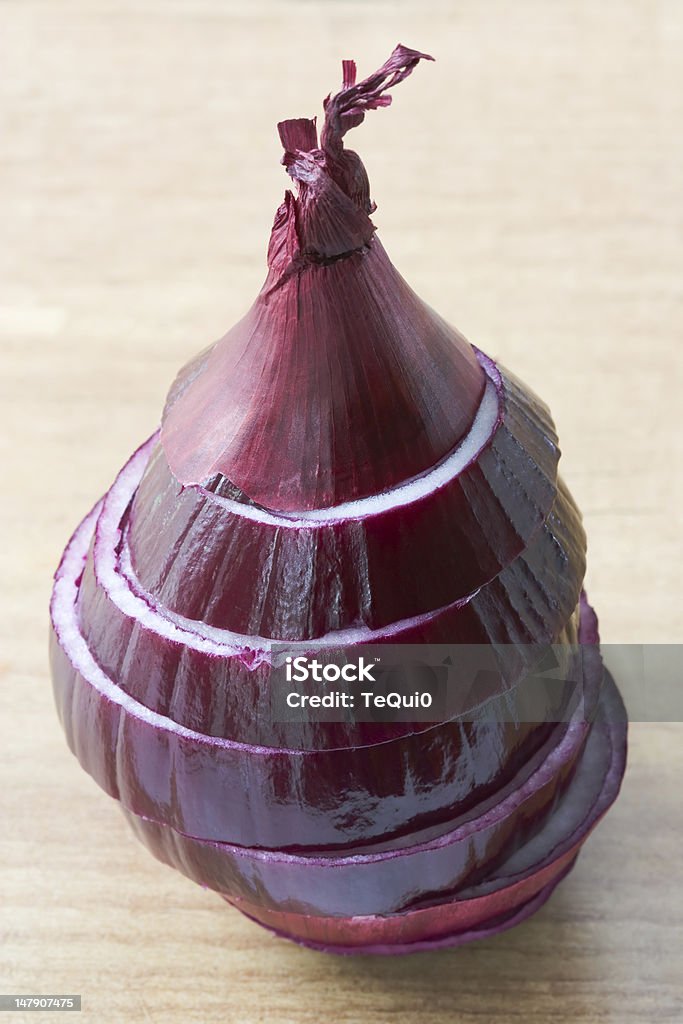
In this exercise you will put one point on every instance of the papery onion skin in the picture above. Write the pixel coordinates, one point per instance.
(337, 347)
(341, 469)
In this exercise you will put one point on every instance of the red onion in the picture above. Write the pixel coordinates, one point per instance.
(341, 469)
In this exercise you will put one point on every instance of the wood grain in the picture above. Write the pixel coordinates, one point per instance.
(529, 188)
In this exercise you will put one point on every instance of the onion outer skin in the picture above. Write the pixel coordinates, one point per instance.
(305, 362)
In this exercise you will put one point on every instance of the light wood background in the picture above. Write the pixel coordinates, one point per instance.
(529, 187)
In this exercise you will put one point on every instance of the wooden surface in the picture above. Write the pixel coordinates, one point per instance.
(529, 187)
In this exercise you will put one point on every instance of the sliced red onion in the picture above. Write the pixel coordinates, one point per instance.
(156, 655)
(268, 809)
(375, 882)
(253, 795)
(516, 889)
(342, 469)
(385, 880)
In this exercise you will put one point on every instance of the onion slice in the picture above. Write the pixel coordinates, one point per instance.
(516, 889)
